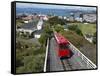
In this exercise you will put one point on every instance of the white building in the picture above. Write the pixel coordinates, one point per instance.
(65, 17)
(45, 18)
(39, 25)
(89, 17)
(78, 19)
(37, 34)
(26, 21)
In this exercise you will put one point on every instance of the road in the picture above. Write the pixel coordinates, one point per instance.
(55, 64)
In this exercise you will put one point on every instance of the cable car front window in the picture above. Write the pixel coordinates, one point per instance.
(62, 46)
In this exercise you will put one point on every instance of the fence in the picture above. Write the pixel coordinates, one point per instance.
(89, 63)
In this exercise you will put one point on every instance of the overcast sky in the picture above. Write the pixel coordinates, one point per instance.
(31, 5)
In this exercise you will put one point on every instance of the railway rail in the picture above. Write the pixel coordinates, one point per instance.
(66, 65)
(76, 62)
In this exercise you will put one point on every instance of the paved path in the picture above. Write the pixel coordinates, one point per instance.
(54, 61)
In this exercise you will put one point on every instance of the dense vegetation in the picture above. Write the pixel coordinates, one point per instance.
(55, 20)
(94, 38)
(76, 29)
(19, 23)
(29, 57)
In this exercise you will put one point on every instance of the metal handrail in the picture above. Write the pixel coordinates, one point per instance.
(45, 63)
(83, 57)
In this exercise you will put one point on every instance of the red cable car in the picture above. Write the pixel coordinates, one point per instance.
(63, 46)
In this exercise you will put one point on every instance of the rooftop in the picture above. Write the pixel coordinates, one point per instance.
(29, 26)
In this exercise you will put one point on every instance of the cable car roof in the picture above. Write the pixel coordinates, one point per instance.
(60, 39)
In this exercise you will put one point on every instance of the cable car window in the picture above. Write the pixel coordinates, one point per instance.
(62, 46)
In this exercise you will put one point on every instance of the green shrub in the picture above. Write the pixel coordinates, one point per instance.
(32, 64)
(55, 20)
(30, 58)
(76, 29)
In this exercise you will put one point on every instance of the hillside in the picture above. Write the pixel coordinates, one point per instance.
(88, 49)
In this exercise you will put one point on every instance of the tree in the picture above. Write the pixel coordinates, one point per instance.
(72, 27)
(19, 59)
(58, 28)
(55, 20)
(48, 30)
(79, 32)
(76, 29)
(94, 38)
(43, 39)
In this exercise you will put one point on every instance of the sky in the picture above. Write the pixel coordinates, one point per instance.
(31, 5)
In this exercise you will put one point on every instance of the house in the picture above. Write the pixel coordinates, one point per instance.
(29, 27)
(37, 34)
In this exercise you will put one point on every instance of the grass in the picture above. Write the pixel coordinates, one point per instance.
(86, 28)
